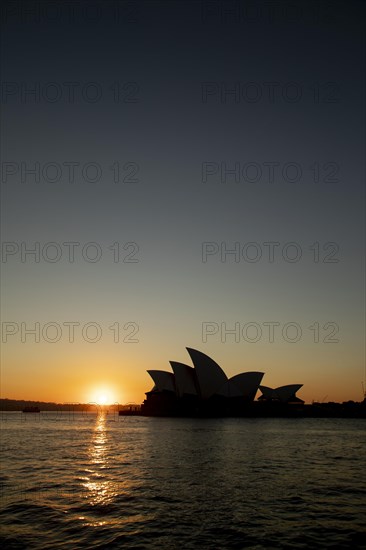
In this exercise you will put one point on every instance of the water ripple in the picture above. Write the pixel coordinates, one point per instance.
(183, 483)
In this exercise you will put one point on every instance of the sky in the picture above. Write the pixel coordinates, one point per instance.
(182, 174)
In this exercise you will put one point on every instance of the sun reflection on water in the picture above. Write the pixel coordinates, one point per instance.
(99, 489)
(107, 485)
(98, 449)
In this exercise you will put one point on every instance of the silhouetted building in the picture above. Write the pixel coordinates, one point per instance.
(205, 390)
(283, 394)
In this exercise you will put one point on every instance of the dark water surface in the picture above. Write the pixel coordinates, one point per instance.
(101, 481)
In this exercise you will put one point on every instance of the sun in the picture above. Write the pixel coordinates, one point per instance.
(101, 394)
(102, 399)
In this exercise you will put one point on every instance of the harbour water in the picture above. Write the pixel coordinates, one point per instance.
(103, 481)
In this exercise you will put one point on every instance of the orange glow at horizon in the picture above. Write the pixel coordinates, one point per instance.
(102, 394)
(77, 376)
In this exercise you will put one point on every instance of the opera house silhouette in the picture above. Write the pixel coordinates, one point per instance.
(205, 390)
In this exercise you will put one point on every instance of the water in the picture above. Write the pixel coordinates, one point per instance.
(101, 481)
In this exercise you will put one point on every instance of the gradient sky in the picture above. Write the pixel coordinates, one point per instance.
(298, 72)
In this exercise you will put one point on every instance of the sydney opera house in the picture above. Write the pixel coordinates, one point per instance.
(205, 390)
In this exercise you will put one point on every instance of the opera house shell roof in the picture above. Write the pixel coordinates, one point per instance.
(284, 394)
(205, 380)
(206, 383)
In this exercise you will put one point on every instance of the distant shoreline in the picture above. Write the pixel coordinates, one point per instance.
(348, 409)
(19, 404)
